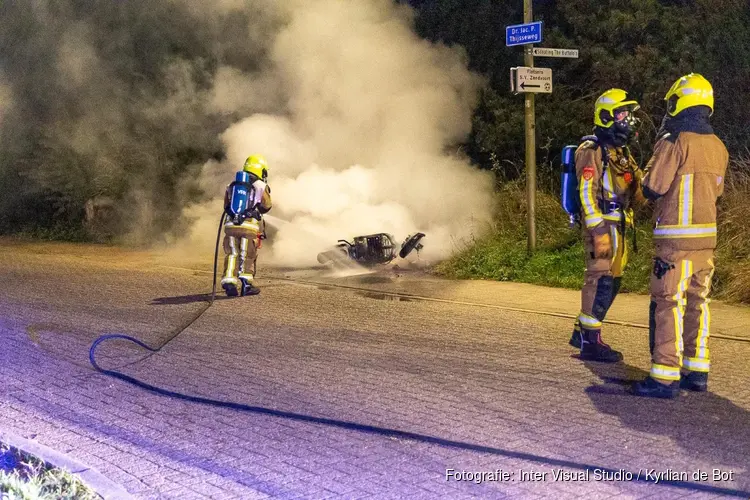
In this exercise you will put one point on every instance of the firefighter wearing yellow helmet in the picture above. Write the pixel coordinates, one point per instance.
(608, 183)
(684, 177)
(257, 166)
(245, 201)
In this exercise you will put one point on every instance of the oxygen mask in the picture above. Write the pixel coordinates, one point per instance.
(625, 126)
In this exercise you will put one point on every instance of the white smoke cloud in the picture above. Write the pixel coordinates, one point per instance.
(116, 106)
(232, 90)
(359, 113)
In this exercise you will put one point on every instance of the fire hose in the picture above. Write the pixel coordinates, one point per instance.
(153, 350)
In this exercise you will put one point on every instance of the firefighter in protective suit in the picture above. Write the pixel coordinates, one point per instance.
(608, 184)
(685, 176)
(242, 241)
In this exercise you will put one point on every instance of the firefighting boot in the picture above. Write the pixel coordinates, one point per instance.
(593, 349)
(650, 388)
(694, 381)
(575, 337)
(248, 288)
(231, 286)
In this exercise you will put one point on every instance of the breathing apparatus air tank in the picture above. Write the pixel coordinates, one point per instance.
(569, 193)
(240, 198)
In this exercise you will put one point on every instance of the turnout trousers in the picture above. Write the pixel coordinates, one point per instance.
(602, 279)
(241, 245)
(680, 317)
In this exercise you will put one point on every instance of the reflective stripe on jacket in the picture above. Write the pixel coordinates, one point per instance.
(686, 176)
(599, 184)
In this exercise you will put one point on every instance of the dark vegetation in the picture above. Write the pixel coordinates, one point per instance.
(642, 46)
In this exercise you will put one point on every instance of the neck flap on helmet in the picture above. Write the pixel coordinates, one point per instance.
(695, 119)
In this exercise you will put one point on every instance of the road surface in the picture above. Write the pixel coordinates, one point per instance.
(394, 384)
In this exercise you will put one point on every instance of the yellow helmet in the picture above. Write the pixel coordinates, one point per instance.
(608, 102)
(256, 165)
(688, 91)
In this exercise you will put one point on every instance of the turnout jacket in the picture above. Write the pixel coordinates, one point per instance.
(607, 192)
(686, 176)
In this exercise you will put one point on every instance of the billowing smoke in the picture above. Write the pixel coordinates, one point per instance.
(114, 107)
(149, 107)
(360, 146)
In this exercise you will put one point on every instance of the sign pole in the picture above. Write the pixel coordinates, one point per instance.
(530, 129)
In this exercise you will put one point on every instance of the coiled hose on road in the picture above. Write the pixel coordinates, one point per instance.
(104, 338)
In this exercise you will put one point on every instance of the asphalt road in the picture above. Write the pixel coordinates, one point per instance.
(351, 387)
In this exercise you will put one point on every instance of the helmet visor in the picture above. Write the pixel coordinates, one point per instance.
(626, 113)
(629, 106)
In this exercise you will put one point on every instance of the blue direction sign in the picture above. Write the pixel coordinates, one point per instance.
(523, 34)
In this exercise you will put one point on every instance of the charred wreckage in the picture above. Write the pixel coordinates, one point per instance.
(370, 250)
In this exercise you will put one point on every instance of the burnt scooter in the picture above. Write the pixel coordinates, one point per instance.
(370, 250)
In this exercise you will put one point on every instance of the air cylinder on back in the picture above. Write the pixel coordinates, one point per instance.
(240, 196)
(569, 193)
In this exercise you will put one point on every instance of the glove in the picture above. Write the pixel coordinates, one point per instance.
(260, 188)
(259, 185)
(602, 245)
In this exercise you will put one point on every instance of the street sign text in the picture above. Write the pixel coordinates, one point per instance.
(536, 80)
(545, 52)
(523, 34)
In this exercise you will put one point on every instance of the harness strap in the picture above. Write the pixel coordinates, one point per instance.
(611, 206)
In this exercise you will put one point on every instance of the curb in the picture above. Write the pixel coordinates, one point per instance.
(95, 480)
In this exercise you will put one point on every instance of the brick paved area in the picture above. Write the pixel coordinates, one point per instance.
(330, 376)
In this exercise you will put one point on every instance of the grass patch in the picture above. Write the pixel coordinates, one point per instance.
(23, 476)
(505, 259)
(559, 260)
(732, 280)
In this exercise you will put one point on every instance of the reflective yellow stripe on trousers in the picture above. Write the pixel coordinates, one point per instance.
(615, 241)
(231, 258)
(589, 322)
(702, 360)
(671, 373)
(664, 372)
(243, 255)
(686, 274)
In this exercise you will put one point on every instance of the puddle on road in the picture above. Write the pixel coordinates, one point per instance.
(375, 279)
(367, 294)
(384, 296)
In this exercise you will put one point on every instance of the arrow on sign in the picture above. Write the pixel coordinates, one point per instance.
(523, 79)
